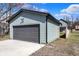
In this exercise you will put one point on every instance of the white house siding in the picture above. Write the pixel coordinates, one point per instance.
(63, 24)
(52, 31)
(29, 19)
(77, 27)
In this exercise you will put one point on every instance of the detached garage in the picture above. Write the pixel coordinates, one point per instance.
(34, 26)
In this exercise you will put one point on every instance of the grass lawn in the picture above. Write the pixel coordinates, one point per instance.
(61, 47)
(74, 37)
(61, 33)
(5, 37)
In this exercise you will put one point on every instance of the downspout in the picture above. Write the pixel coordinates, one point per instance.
(46, 30)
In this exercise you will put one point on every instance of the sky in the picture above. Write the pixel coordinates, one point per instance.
(58, 10)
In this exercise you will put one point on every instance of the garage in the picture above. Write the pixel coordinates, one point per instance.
(27, 33)
(34, 26)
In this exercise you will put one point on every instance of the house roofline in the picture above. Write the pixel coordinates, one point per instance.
(43, 13)
(63, 21)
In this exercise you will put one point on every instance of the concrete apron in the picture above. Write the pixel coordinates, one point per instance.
(18, 48)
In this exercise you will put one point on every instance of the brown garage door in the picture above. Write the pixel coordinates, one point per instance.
(27, 33)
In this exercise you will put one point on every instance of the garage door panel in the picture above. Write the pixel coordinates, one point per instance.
(30, 33)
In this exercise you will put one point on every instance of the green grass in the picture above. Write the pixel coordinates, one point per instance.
(74, 37)
(61, 33)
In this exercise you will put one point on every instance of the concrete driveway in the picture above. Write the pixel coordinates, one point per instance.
(18, 48)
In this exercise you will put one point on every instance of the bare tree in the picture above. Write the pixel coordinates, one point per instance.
(7, 9)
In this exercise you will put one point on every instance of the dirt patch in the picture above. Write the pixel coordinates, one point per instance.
(61, 47)
(52, 49)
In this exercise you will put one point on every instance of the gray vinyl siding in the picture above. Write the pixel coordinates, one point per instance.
(29, 19)
(52, 31)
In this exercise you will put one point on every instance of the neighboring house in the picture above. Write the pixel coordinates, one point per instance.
(34, 26)
(64, 27)
(77, 27)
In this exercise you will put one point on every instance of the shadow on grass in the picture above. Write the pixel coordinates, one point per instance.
(63, 36)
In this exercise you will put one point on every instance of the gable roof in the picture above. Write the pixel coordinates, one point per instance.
(43, 13)
(64, 21)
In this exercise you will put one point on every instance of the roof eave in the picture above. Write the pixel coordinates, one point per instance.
(43, 13)
(54, 19)
(24, 10)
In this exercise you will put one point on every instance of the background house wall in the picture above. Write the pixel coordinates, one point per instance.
(63, 23)
(64, 28)
(76, 27)
(52, 31)
(29, 19)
